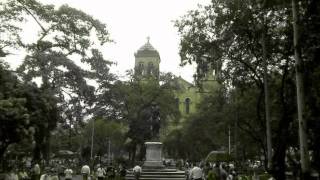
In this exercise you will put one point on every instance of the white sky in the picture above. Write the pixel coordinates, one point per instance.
(131, 21)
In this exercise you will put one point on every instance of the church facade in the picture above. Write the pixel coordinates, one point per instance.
(187, 95)
(147, 61)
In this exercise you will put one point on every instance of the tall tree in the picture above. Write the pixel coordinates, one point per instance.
(14, 115)
(130, 101)
(25, 111)
(63, 45)
(228, 33)
(304, 152)
(264, 30)
(310, 45)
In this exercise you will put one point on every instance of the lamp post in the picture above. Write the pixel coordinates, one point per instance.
(92, 135)
(229, 140)
(109, 149)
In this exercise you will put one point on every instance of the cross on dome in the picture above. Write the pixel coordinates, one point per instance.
(147, 50)
(147, 46)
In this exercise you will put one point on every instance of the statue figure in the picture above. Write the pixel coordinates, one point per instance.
(155, 121)
(151, 118)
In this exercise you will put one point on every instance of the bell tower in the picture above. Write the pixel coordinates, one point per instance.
(147, 61)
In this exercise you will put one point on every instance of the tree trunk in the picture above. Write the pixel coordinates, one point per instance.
(236, 130)
(37, 152)
(142, 153)
(133, 155)
(278, 163)
(266, 96)
(305, 167)
(278, 170)
(2, 151)
(46, 147)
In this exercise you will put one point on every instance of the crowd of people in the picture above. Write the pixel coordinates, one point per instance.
(210, 171)
(68, 172)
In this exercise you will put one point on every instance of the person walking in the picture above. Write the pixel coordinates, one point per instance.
(100, 172)
(54, 174)
(223, 172)
(85, 171)
(196, 173)
(68, 173)
(35, 172)
(46, 174)
(137, 172)
(206, 170)
(111, 172)
(122, 172)
(23, 175)
(12, 175)
(187, 170)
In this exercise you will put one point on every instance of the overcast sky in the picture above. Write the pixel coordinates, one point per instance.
(130, 22)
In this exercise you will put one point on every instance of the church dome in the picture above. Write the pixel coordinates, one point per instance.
(147, 50)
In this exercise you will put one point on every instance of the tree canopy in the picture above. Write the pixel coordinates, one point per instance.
(25, 111)
(130, 101)
(226, 36)
(67, 42)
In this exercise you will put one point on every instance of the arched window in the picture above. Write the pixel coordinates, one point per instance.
(187, 102)
(150, 68)
(177, 103)
(141, 68)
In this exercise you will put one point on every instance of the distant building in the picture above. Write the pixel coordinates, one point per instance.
(147, 61)
(188, 96)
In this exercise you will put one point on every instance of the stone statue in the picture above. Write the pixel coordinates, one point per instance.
(155, 121)
(151, 118)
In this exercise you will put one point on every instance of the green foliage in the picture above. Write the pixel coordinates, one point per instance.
(66, 41)
(64, 32)
(14, 121)
(265, 176)
(176, 145)
(131, 99)
(105, 130)
(219, 157)
(211, 175)
(244, 177)
(25, 111)
(9, 32)
(202, 132)
(226, 35)
(311, 53)
(14, 115)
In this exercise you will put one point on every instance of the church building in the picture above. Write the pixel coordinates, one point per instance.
(147, 60)
(187, 95)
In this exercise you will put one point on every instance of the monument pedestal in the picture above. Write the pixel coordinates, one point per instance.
(153, 155)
